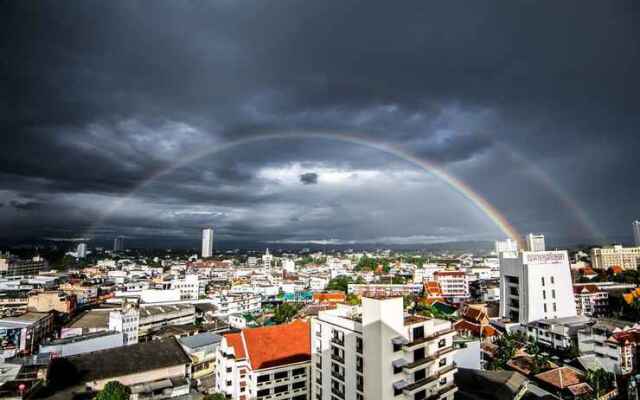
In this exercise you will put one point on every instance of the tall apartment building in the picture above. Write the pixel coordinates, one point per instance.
(376, 352)
(623, 257)
(453, 284)
(81, 250)
(267, 258)
(207, 242)
(118, 244)
(636, 233)
(536, 285)
(506, 245)
(591, 300)
(265, 363)
(12, 266)
(535, 242)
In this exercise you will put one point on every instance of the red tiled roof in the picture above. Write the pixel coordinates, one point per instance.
(235, 340)
(278, 345)
(561, 378)
(333, 297)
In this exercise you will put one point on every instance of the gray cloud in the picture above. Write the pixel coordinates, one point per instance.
(521, 101)
(309, 178)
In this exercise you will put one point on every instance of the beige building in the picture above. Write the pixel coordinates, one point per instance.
(52, 301)
(623, 257)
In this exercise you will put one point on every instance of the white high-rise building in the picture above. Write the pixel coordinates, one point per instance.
(376, 352)
(207, 242)
(535, 242)
(118, 244)
(636, 233)
(81, 250)
(506, 245)
(536, 285)
(266, 259)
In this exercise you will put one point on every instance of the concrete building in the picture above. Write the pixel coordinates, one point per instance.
(236, 304)
(188, 286)
(52, 301)
(535, 242)
(385, 290)
(453, 284)
(118, 244)
(623, 257)
(13, 266)
(376, 352)
(613, 343)
(127, 321)
(207, 242)
(265, 363)
(81, 250)
(559, 333)
(535, 285)
(202, 349)
(82, 344)
(591, 300)
(153, 370)
(506, 245)
(267, 258)
(23, 334)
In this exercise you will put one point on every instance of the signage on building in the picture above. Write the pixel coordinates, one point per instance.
(545, 257)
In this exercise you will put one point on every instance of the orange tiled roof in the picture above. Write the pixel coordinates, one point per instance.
(331, 297)
(561, 378)
(235, 340)
(616, 269)
(277, 345)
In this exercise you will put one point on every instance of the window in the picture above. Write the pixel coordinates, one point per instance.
(298, 371)
(542, 280)
(396, 391)
(442, 343)
(553, 293)
(229, 369)
(263, 378)
(443, 381)
(281, 389)
(359, 344)
(418, 332)
(263, 392)
(545, 307)
(298, 385)
(554, 307)
(281, 375)
(544, 294)
(396, 369)
(552, 280)
(228, 383)
(442, 362)
(397, 347)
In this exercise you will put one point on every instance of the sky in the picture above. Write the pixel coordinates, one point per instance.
(152, 120)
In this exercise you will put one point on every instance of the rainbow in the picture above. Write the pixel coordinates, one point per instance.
(430, 167)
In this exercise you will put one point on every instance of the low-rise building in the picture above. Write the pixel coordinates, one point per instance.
(267, 362)
(613, 343)
(52, 301)
(202, 349)
(74, 345)
(558, 333)
(21, 335)
(616, 256)
(591, 300)
(385, 290)
(454, 285)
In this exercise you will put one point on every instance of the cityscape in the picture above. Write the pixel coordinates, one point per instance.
(296, 200)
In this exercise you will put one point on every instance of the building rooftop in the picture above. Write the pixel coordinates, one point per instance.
(200, 340)
(271, 346)
(91, 319)
(120, 361)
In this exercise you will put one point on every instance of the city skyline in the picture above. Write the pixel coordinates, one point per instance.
(412, 124)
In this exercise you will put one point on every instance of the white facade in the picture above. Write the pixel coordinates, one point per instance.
(267, 258)
(188, 286)
(126, 321)
(81, 250)
(375, 352)
(207, 242)
(535, 242)
(454, 285)
(506, 245)
(535, 285)
(236, 304)
(288, 265)
(623, 257)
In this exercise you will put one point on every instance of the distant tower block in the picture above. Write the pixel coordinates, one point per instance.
(207, 242)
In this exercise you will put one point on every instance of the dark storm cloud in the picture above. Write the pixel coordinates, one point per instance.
(100, 97)
(309, 178)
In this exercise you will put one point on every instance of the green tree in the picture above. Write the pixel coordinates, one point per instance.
(341, 283)
(285, 313)
(114, 390)
(540, 359)
(214, 396)
(507, 345)
(601, 381)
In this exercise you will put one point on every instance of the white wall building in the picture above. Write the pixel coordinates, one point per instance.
(535, 242)
(207, 242)
(623, 257)
(506, 245)
(535, 285)
(375, 352)
(81, 250)
(126, 320)
(188, 286)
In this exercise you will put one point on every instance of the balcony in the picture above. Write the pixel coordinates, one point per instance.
(413, 387)
(337, 340)
(337, 392)
(427, 360)
(337, 375)
(338, 358)
(445, 390)
(411, 345)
